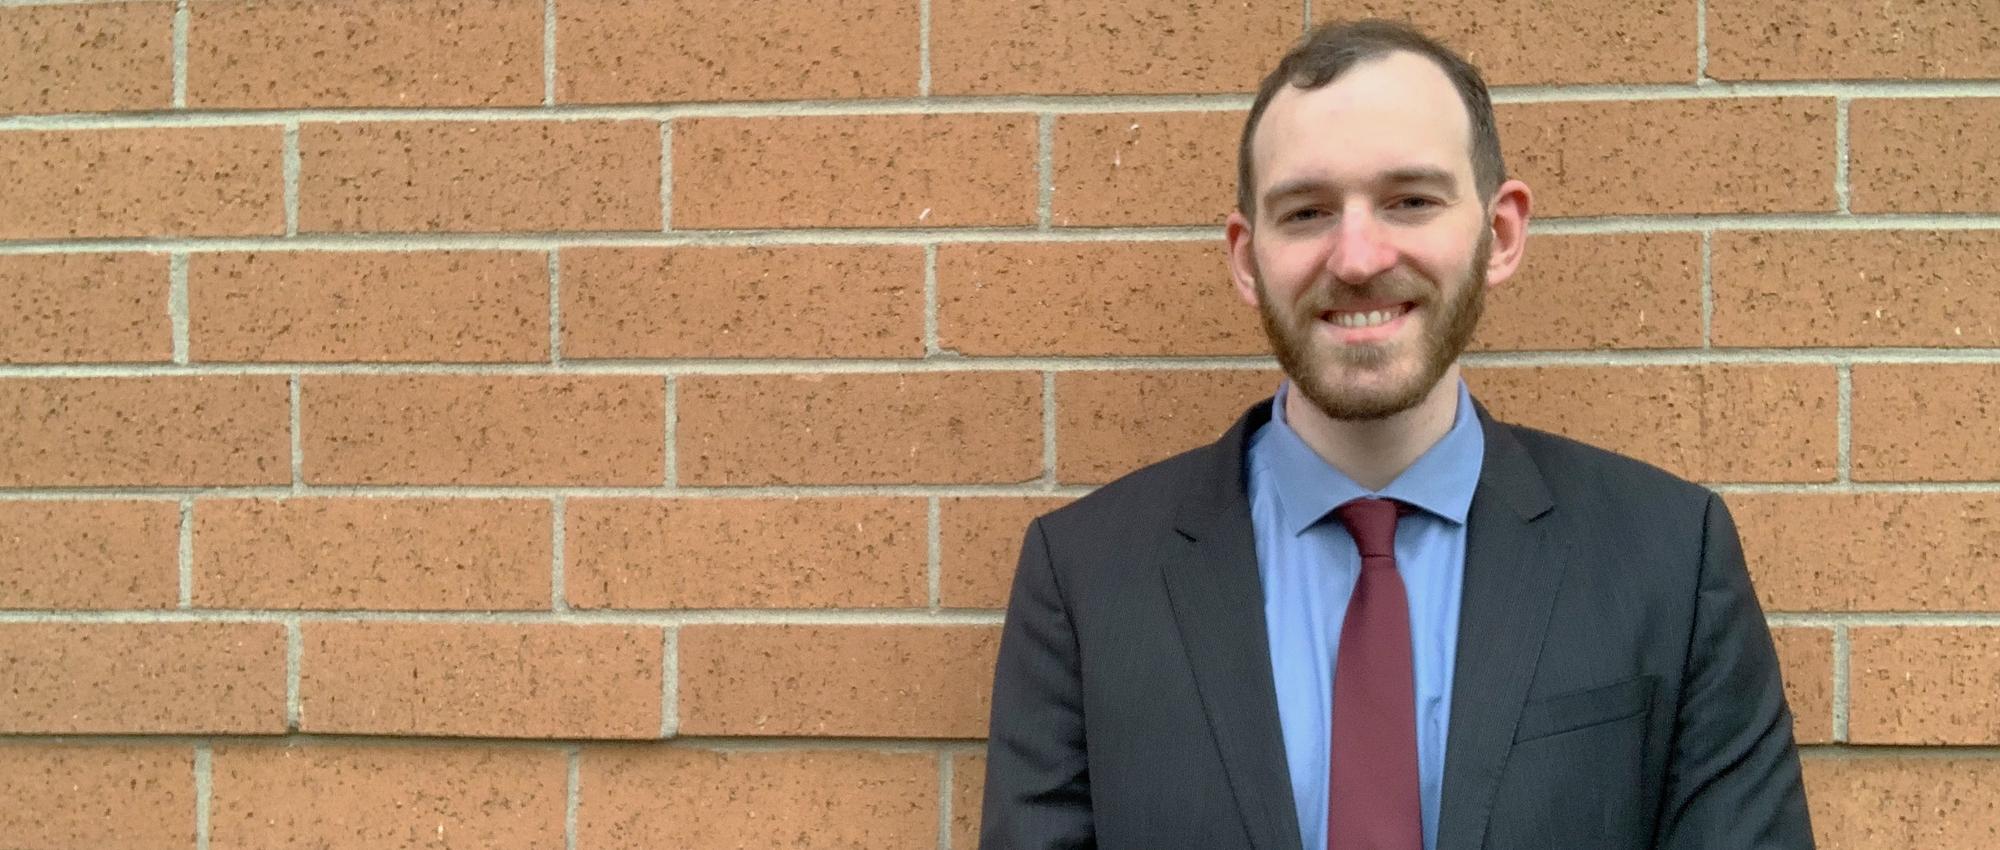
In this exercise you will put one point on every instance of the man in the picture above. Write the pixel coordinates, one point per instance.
(1371, 617)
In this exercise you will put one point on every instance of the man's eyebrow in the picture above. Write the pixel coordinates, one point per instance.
(1415, 174)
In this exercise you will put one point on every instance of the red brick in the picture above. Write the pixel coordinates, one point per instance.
(97, 58)
(1806, 655)
(1705, 423)
(1872, 551)
(1628, 290)
(481, 680)
(1916, 800)
(1555, 42)
(324, 306)
(1110, 423)
(1924, 685)
(968, 786)
(1092, 299)
(804, 302)
(1673, 157)
(1816, 39)
(1145, 168)
(1075, 47)
(837, 681)
(854, 171)
(63, 796)
(1926, 422)
(381, 554)
(162, 431)
(980, 538)
(658, 51)
(466, 429)
(84, 308)
(142, 678)
(154, 181)
(290, 54)
(746, 553)
(1906, 288)
(126, 554)
(640, 796)
(336, 795)
(924, 428)
(479, 176)
(1924, 156)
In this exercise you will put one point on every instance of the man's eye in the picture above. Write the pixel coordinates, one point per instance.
(1414, 203)
(1306, 214)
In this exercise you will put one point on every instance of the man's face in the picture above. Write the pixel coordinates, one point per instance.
(1369, 252)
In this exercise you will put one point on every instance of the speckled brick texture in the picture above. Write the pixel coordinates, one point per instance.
(105, 57)
(1551, 42)
(1924, 685)
(479, 176)
(1805, 657)
(804, 301)
(142, 678)
(746, 553)
(1092, 300)
(96, 795)
(980, 539)
(968, 787)
(340, 795)
(480, 680)
(152, 181)
(1722, 423)
(654, 51)
(1815, 39)
(1151, 168)
(1925, 156)
(1894, 288)
(124, 552)
(1926, 422)
(474, 429)
(157, 431)
(1866, 801)
(1109, 423)
(1872, 551)
(641, 796)
(1637, 290)
(285, 54)
(1653, 157)
(1081, 47)
(937, 428)
(84, 308)
(836, 681)
(328, 306)
(854, 171)
(372, 554)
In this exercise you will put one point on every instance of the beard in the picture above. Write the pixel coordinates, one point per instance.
(1450, 316)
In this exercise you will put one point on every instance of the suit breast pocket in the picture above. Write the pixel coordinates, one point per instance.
(1583, 709)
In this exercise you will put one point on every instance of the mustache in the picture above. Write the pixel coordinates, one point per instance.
(1388, 288)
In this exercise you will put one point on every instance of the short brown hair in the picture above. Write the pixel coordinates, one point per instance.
(1331, 49)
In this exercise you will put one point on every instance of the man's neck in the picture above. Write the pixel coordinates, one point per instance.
(1374, 451)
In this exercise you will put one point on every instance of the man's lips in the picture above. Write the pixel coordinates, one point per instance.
(1367, 316)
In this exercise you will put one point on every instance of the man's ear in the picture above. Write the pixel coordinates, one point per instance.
(1242, 257)
(1512, 204)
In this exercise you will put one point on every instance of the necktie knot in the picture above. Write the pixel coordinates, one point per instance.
(1372, 522)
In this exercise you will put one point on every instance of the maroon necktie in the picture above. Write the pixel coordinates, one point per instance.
(1372, 789)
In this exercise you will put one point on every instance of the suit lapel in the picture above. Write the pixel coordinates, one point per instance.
(1512, 570)
(1218, 607)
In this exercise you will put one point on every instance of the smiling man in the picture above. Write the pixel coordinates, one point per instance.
(1372, 617)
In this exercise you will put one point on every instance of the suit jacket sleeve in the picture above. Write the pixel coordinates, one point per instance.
(1733, 781)
(1037, 775)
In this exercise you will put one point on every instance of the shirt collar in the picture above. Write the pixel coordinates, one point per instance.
(1440, 482)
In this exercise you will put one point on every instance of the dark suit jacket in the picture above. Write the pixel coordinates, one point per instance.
(1615, 685)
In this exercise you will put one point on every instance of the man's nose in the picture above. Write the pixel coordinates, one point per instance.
(1361, 249)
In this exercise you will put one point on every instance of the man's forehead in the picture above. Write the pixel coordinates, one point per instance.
(1401, 103)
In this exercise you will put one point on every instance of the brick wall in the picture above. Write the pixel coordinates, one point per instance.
(610, 423)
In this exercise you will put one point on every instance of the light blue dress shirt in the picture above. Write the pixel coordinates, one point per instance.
(1309, 564)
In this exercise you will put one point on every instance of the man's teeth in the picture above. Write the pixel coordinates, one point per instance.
(1366, 320)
